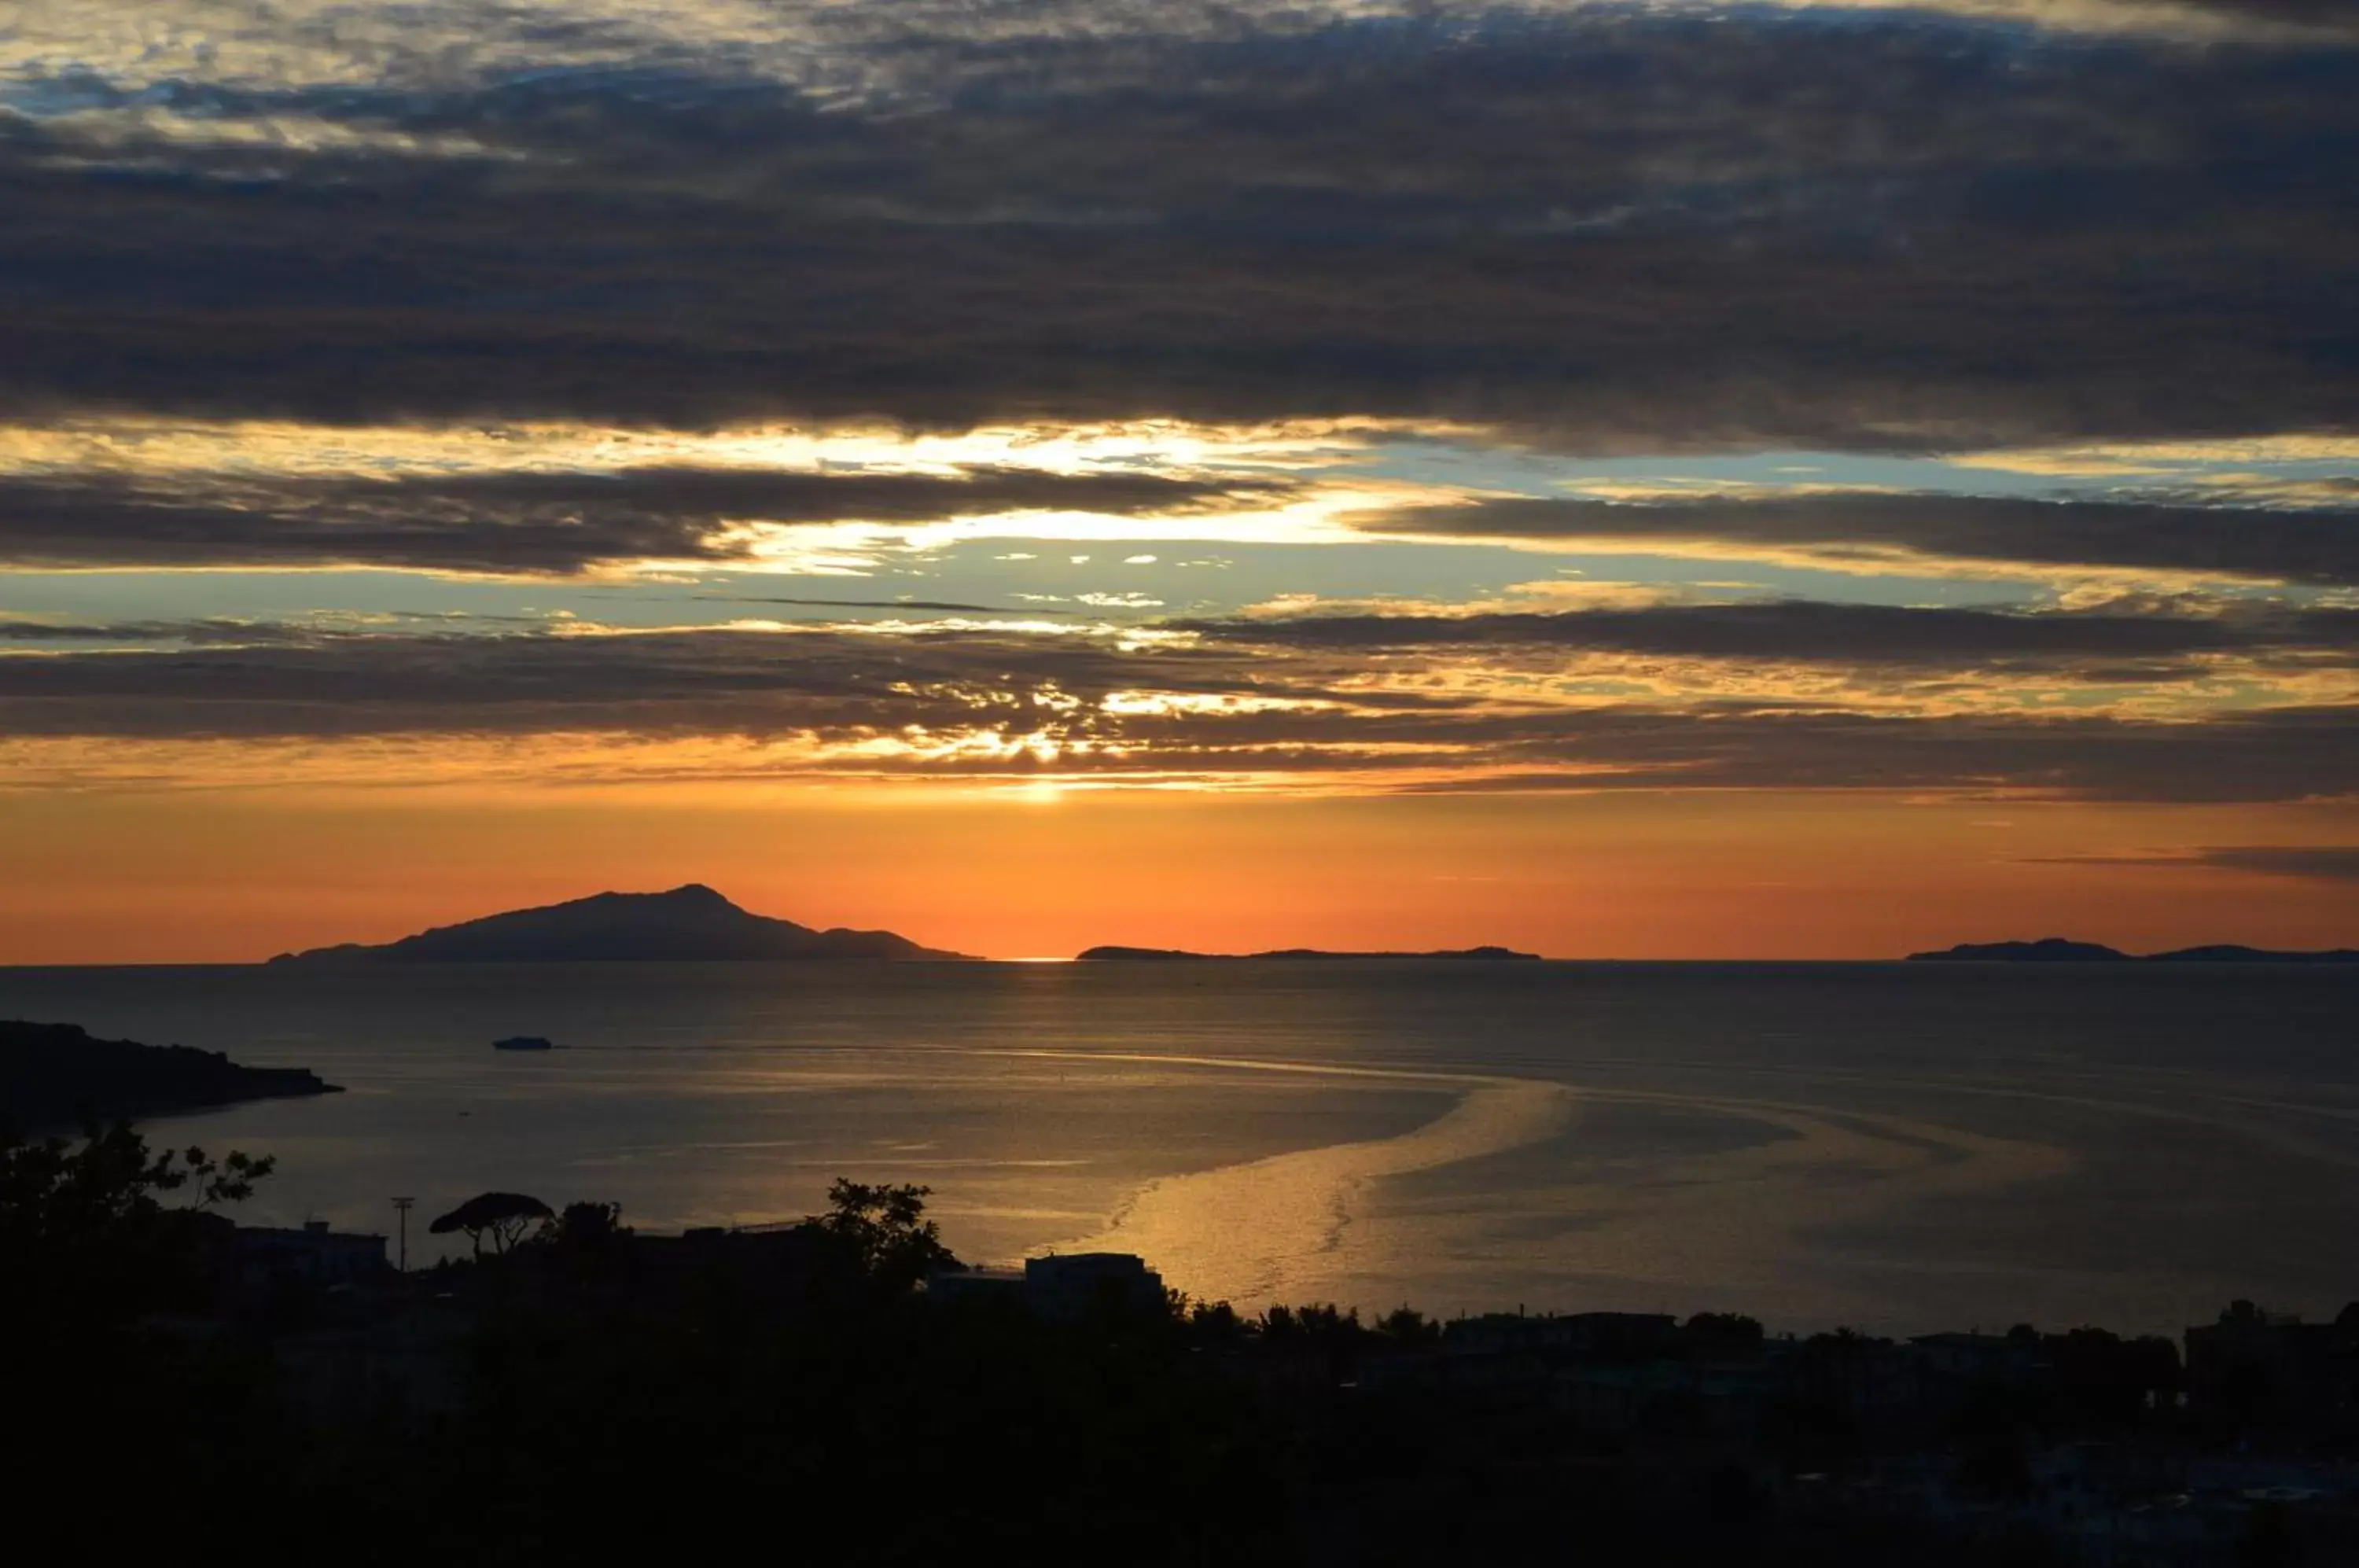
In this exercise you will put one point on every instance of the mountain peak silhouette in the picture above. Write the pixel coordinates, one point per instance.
(691, 923)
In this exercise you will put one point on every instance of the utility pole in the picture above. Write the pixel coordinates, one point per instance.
(401, 1205)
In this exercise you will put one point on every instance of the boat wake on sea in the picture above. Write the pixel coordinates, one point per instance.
(1333, 1222)
(1254, 1230)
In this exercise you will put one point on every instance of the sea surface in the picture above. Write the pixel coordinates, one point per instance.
(1898, 1147)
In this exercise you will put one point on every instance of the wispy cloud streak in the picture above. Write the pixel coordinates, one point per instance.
(2317, 545)
(524, 522)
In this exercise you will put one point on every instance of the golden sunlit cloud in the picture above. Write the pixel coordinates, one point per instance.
(2142, 458)
(153, 445)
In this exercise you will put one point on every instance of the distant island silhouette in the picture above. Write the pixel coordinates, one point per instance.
(689, 924)
(1157, 954)
(51, 1075)
(2057, 950)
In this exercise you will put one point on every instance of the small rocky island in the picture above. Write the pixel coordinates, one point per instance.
(687, 925)
(2057, 950)
(1166, 954)
(53, 1074)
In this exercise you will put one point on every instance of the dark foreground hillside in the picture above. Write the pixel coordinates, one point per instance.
(838, 1390)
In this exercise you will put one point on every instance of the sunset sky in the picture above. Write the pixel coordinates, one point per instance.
(1809, 480)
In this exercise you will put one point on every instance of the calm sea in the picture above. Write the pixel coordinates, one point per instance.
(1896, 1147)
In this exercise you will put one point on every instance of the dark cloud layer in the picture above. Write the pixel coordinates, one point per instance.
(2280, 755)
(1608, 229)
(520, 522)
(202, 631)
(2322, 862)
(342, 683)
(2333, 15)
(2309, 547)
(949, 607)
(1869, 635)
(844, 687)
(2330, 863)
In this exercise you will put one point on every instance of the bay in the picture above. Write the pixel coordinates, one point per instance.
(1899, 1147)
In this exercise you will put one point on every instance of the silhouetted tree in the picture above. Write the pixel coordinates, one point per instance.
(1723, 1333)
(95, 1236)
(58, 1188)
(1216, 1321)
(586, 1229)
(84, 1230)
(1320, 1320)
(506, 1218)
(1407, 1326)
(886, 1229)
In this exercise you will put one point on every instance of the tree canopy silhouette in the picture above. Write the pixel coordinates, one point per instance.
(588, 1228)
(886, 1228)
(504, 1218)
(112, 1178)
(88, 1227)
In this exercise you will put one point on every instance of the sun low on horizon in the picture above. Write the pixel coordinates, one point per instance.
(1686, 480)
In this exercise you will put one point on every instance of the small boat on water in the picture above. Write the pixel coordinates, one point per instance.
(523, 1042)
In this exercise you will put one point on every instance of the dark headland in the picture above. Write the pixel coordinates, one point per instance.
(1157, 954)
(686, 925)
(2057, 950)
(51, 1074)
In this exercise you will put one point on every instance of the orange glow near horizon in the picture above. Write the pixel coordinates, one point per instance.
(211, 876)
(1017, 519)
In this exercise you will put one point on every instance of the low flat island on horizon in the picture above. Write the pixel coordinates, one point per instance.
(2059, 950)
(694, 923)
